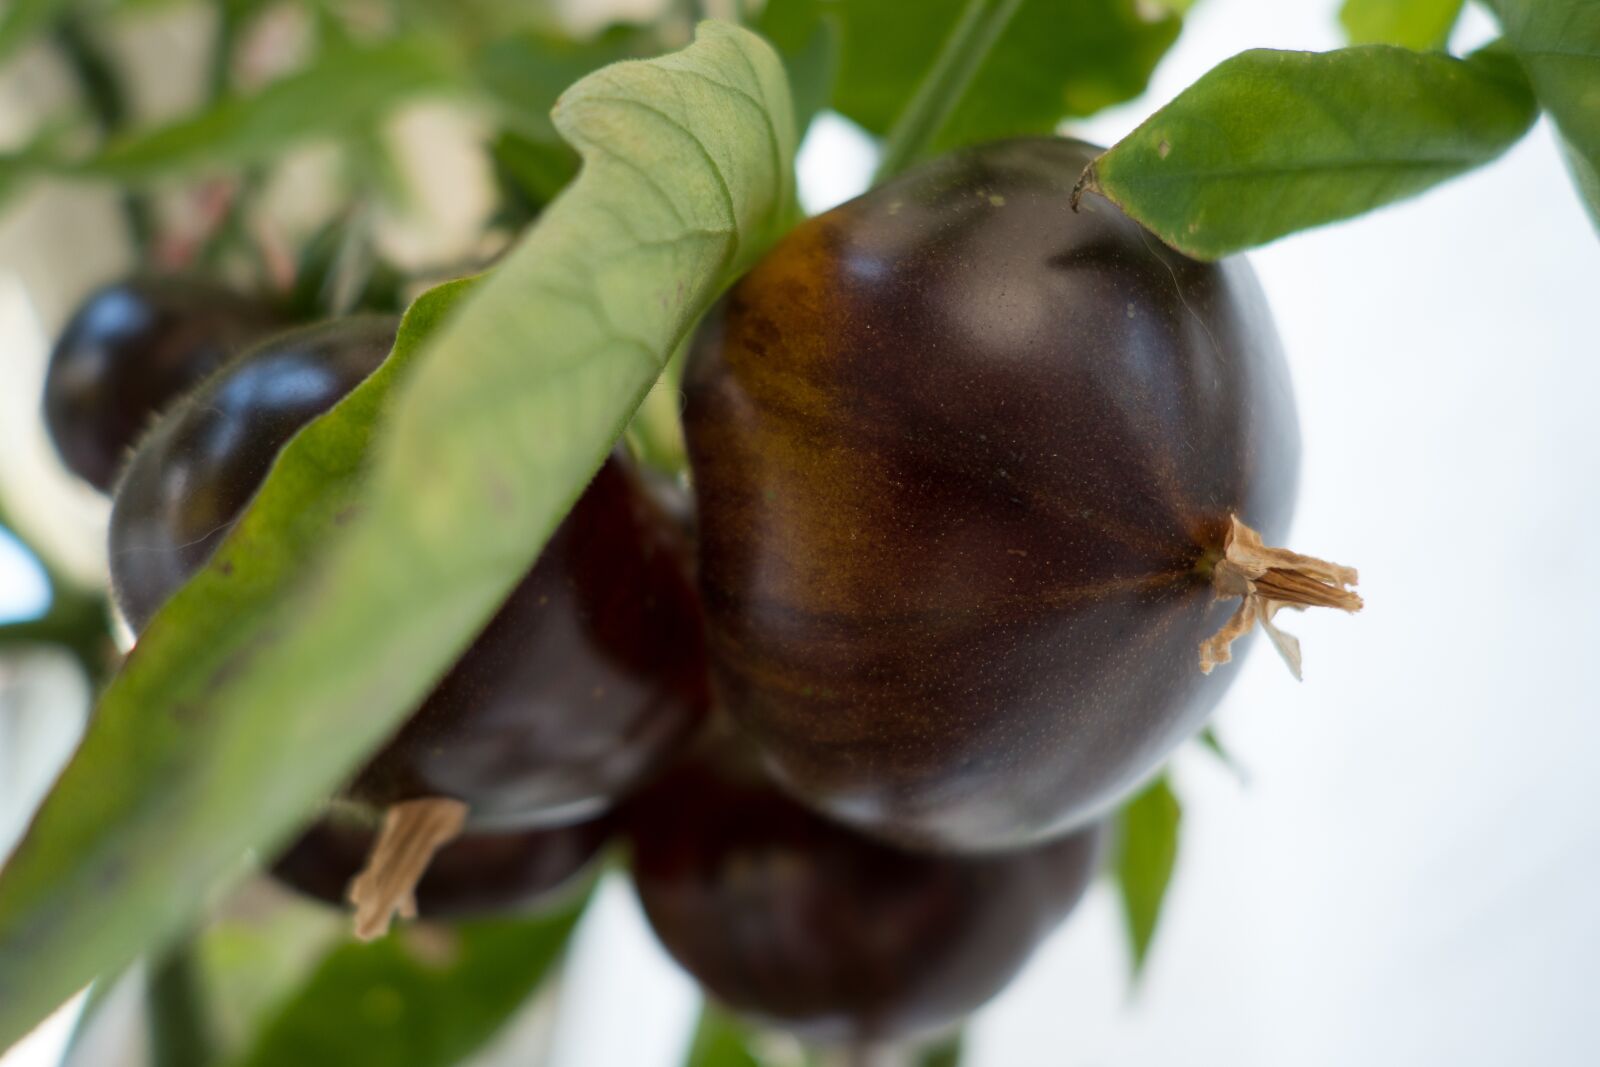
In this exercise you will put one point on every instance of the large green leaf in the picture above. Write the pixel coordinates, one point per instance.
(426, 997)
(345, 90)
(1268, 143)
(1147, 850)
(349, 587)
(144, 818)
(1057, 59)
(1558, 42)
(1417, 24)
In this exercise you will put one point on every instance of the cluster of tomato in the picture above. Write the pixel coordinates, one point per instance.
(963, 461)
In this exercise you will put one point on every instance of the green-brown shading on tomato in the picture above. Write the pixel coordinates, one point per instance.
(963, 458)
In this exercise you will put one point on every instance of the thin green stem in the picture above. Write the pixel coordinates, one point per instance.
(219, 79)
(946, 83)
(180, 1026)
(107, 99)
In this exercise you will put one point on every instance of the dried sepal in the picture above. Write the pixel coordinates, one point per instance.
(1268, 580)
(413, 831)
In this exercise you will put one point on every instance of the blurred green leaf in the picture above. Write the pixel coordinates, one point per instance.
(15, 170)
(1417, 24)
(343, 91)
(1147, 850)
(526, 73)
(530, 173)
(471, 21)
(946, 1053)
(321, 269)
(258, 953)
(1268, 143)
(1213, 744)
(806, 35)
(349, 585)
(22, 20)
(425, 996)
(1057, 59)
(178, 1011)
(720, 1041)
(36, 158)
(1558, 42)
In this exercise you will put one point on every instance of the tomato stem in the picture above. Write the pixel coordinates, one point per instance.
(945, 84)
(1267, 580)
(412, 832)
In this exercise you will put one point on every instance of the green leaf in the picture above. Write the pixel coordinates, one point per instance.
(946, 1053)
(37, 157)
(531, 173)
(720, 1041)
(145, 813)
(344, 91)
(178, 1012)
(1268, 143)
(1147, 849)
(258, 953)
(22, 20)
(1057, 59)
(806, 35)
(15, 170)
(1213, 744)
(526, 73)
(1421, 25)
(1558, 42)
(426, 996)
(347, 589)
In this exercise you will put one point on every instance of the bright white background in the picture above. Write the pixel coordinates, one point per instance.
(1408, 875)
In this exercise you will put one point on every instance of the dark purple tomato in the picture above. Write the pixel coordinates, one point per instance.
(198, 468)
(804, 925)
(476, 875)
(964, 460)
(588, 679)
(129, 351)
